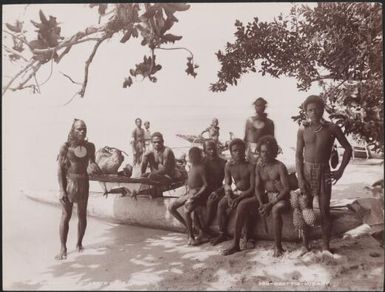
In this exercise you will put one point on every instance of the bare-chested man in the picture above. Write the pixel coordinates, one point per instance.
(215, 171)
(272, 187)
(74, 157)
(197, 184)
(138, 143)
(256, 127)
(242, 173)
(315, 141)
(161, 161)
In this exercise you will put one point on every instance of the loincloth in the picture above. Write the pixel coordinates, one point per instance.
(318, 178)
(77, 187)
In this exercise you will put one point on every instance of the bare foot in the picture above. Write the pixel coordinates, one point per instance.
(304, 250)
(326, 247)
(79, 248)
(200, 240)
(231, 250)
(190, 241)
(62, 255)
(220, 238)
(278, 251)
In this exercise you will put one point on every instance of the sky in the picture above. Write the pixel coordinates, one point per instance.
(177, 103)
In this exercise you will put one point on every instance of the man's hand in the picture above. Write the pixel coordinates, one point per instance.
(336, 175)
(303, 186)
(264, 210)
(213, 196)
(63, 197)
(235, 202)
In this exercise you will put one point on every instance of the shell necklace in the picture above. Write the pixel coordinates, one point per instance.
(318, 130)
(80, 151)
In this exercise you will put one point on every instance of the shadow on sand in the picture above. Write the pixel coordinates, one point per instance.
(156, 260)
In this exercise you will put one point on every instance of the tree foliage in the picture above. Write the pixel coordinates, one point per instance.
(335, 45)
(150, 22)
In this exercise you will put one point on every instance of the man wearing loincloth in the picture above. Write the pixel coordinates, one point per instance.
(315, 140)
(256, 127)
(74, 157)
(161, 161)
(240, 172)
(137, 142)
(196, 186)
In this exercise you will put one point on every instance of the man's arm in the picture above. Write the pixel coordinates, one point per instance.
(202, 173)
(249, 192)
(91, 149)
(61, 172)
(204, 131)
(299, 159)
(272, 129)
(228, 180)
(284, 180)
(258, 187)
(336, 175)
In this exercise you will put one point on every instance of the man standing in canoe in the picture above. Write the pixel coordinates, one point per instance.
(213, 130)
(74, 157)
(315, 140)
(137, 142)
(256, 127)
(147, 135)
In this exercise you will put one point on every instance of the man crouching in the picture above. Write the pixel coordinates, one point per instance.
(272, 187)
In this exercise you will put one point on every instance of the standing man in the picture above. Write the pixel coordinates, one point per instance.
(137, 142)
(256, 127)
(73, 159)
(315, 141)
(147, 135)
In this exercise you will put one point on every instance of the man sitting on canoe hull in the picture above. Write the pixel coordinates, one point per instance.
(161, 161)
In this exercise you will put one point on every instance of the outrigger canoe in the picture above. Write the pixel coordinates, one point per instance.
(195, 139)
(148, 211)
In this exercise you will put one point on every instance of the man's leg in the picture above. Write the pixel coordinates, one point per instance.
(82, 222)
(222, 221)
(244, 210)
(277, 211)
(212, 206)
(173, 208)
(324, 205)
(63, 229)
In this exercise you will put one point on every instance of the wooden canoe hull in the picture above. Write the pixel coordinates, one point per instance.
(153, 213)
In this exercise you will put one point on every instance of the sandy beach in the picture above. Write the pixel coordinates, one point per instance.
(119, 257)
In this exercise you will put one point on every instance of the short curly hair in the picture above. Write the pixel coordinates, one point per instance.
(270, 142)
(313, 99)
(239, 142)
(195, 152)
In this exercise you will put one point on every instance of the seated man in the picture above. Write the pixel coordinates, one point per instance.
(239, 170)
(197, 184)
(161, 161)
(215, 170)
(272, 187)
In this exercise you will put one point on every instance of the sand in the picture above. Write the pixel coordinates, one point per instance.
(121, 257)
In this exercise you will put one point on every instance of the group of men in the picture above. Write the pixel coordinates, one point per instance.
(255, 182)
